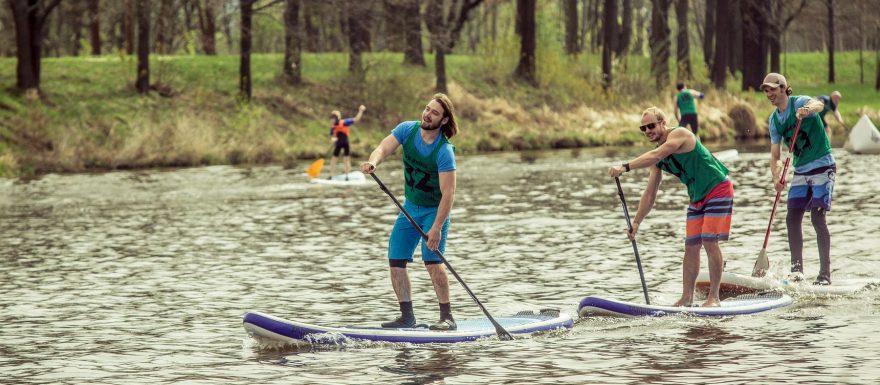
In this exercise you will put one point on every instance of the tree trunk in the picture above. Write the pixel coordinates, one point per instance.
(244, 69)
(207, 26)
(683, 52)
(76, 24)
(709, 32)
(722, 39)
(625, 34)
(571, 26)
(755, 29)
(163, 27)
(829, 4)
(293, 37)
(128, 25)
(358, 37)
(639, 43)
(582, 34)
(95, 26)
(412, 20)
(525, 13)
(609, 36)
(440, 70)
(734, 44)
(660, 42)
(143, 47)
(445, 25)
(29, 16)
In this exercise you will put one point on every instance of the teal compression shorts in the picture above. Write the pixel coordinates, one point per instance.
(405, 238)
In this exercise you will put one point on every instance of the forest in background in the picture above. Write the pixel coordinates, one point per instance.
(145, 83)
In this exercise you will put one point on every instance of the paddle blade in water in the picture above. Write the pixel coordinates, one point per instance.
(315, 169)
(761, 265)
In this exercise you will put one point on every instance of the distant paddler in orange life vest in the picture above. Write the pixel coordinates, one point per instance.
(339, 132)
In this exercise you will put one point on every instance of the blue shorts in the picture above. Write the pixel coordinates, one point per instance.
(405, 238)
(812, 189)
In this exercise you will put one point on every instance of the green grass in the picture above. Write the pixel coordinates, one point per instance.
(91, 118)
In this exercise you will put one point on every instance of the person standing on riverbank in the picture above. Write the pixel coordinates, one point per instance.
(429, 173)
(710, 210)
(831, 103)
(814, 171)
(339, 133)
(686, 107)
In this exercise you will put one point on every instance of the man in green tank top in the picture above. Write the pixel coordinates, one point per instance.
(686, 107)
(429, 176)
(815, 170)
(709, 213)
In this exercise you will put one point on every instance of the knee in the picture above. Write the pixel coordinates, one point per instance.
(398, 263)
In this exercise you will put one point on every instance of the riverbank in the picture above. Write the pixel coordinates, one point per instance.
(91, 119)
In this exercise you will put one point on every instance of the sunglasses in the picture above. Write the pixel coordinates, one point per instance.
(649, 126)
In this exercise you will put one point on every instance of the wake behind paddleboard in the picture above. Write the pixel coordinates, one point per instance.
(295, 332)
(354, 178)
(745, 304)
(734, 284)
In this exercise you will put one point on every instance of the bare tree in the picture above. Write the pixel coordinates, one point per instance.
(683, 52)
(625, 29)
(29, 17)
(143, 47)
(778, 26)
(358, 36)
(722, 40)
(709, 32)
(829, 5)
(293, 37)
(445, 19)
(408, 12)
(95, 26)
(569, 9)
(245, 85)
(206, 10)
(660, 42)
(755, 29)
(525, 20)
(609, 38)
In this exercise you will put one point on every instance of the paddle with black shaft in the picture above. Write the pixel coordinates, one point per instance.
(502, 334)
(635, 248)
(763, 264)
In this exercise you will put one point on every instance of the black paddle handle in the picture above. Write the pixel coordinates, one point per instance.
(635, 247)
(502, 333)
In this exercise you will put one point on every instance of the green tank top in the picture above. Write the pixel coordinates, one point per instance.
(420, 171)
(685, 101)
(697, 169)
(811, 144)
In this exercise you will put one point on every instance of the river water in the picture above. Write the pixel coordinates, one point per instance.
(143, 277)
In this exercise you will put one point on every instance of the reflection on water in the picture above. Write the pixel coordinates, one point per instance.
(136, 277)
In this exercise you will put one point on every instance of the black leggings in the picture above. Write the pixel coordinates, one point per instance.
(794, 220)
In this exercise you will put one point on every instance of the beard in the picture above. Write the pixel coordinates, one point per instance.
(428, 128)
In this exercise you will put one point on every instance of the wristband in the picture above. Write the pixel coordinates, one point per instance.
(626, 167)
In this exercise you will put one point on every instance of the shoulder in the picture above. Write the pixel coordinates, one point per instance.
(404, 128)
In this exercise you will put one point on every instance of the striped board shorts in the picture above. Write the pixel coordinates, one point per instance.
(709, 219)
(812, 189)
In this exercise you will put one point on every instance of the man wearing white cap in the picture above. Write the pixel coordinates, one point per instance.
(814, 170)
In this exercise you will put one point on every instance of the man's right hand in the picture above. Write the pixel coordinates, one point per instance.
(368, 168)
(632, 233)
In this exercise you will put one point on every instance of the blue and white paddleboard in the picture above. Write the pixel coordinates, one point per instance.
(354, 178)
(744, 304)
(298, 333)
(733, 284)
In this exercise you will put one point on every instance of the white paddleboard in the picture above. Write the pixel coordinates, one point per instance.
(743, 304)
(726, 155)
(864, 138)
(733, 284)
(286, 331)
(354, 178)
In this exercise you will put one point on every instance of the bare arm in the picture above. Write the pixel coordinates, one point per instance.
(649, 196)
(447, 188)
(838, 117)
(813, 106)
(386, 148)
(774, 164)
(697, 94)
(676, 141)
(675, 108)
(360, 113)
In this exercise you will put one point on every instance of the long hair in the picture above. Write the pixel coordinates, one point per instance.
(658, 115)
(451, 127)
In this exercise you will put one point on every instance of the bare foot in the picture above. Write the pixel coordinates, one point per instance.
(711, 302)
(683, 302)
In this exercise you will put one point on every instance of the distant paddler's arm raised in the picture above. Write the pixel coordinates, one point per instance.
(385, 149)
(447, 188)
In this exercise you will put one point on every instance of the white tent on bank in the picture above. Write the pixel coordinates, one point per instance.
(864, 138)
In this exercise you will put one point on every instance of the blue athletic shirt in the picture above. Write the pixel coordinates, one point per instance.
(775, 137)
(445, 158)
